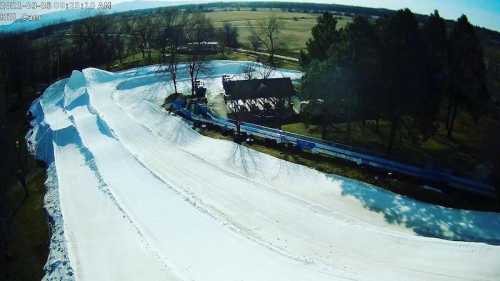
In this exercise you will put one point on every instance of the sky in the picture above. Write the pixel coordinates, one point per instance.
(484, 13)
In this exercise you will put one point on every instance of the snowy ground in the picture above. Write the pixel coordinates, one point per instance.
(136, 194)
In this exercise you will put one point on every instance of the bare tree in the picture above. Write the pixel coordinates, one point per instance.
(171, 39)
(254, 71)
(248, 71)
(228, 36)
(267, 33)
(143, 33)
(254, 41)
(199, 30)
(4, 78)
(132, 42)
(89, 38)
(266, 70)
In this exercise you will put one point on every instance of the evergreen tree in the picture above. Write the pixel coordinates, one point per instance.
(325, 85)
(436, 51)
(467, 73)
(363, 52)
(316, 87)
(402, 70)
(324, 34)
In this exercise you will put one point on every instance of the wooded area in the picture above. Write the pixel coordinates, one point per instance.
(415, 78)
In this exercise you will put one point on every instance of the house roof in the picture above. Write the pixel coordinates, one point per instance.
(258, 88)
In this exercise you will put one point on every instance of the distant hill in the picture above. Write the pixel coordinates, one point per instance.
(71, 15)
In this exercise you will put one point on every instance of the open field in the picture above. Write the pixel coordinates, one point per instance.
(294, 35)
(136, 60)
(296, 26)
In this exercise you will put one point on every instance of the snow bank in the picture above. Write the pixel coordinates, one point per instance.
(40, 141)
(145, 197)
(74, 91)
(57, 266)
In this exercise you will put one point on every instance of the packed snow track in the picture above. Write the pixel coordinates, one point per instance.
(136, 194)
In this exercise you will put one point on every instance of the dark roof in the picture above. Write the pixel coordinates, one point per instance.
(258, 88)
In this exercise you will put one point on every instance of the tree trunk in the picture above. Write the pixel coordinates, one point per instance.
(392, 136)
(449, 113)
(120, 55)
(324, 122)
(271, 51)
(19, 89)
(323, 130)
(6, 100)
(174, 80)
(452, 121)
(349, 128)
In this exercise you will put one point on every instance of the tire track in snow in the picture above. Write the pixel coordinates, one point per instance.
(261, 183)
(220, 217)
(73, 162)
(105, 188)
(237, 175)
(214, 212)
(247, 233)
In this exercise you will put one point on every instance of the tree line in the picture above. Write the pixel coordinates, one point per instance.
(397, 70)
(48, 54)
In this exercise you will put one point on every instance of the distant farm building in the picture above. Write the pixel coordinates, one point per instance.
(258, 100)
(204, 47)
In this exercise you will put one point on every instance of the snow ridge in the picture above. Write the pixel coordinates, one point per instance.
(40, 143)
(103, 186)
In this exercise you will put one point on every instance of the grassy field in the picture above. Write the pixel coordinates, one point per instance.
(296, 26)
(294, 35)
(136, 60)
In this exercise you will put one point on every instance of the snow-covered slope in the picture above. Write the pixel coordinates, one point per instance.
(142, 196)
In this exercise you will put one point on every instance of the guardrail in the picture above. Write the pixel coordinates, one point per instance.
(201, 114)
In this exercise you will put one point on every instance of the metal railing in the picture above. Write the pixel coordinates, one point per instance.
(202, 114)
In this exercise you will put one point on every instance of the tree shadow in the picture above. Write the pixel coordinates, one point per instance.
(244, 159)
(423, 218)
(179, 132)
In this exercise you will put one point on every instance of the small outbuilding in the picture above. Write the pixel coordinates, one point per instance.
(203, 47)
(259, 100)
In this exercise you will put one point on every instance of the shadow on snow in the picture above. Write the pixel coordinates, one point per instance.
(423, 218)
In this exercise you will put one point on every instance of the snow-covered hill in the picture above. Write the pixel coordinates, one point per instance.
(136, 194)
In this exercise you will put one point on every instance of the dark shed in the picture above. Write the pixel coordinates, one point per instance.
(258, 88)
